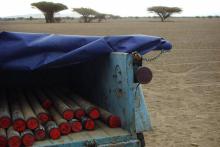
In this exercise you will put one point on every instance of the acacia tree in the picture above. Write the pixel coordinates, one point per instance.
(49, 9)
(89, 14)
(100, 17)
(164, 12)
(111, 16)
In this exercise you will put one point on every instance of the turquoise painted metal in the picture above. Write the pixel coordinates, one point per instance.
(142, 117)
(109, 83)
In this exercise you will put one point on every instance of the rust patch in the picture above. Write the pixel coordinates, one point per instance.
(119, 92)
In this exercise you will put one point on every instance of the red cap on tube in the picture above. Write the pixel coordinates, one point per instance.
(89, 124)
(65, 128)
(14, 141)
(47, 104)
(32, 123)
(79, 113)
(54, 133)
(28, 140)
(114, 121)
(68, 114)
(19, 125)
(5, 122)
(43, 117)
(3, 141)
(76, 126)
(40, 134)
(94, 113)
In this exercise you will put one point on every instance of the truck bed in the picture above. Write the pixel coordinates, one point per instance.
(102, 134)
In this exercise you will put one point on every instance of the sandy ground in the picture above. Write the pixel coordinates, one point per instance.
(184, 101)
(184, 97)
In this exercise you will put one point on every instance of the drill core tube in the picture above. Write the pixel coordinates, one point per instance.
(42, 115)
(27, 137)
(30, 117)
(78, 111)
(66, 112)
(14, 139)
(108, 118)
(63, 125)
(40, 133)
(19, 123)
(91, 110)
(88, 123)
(5, 117)
(76, 125)
(52, 130)
(45, 102)
(3, 138)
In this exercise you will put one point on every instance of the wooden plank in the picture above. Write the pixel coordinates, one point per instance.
(61, 140)
(98, 132)
(42, 143)
(50, 142)
(111, 132)
(80, 136)
(101, 131)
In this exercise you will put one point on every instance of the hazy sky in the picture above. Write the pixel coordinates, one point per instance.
(117, 7)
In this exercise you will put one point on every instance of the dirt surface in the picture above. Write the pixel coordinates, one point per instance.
(184, 96)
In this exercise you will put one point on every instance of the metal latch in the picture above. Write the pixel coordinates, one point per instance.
(142, 75)
(91, 143)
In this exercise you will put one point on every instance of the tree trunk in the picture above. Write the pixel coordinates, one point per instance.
(85, 19)
(46, 18)
(167, 16)
(161, 17)
(90, 19)
(49, 17)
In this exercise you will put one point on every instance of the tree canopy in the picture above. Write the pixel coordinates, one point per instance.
(89, 14)
(164, 12)
(48, 9)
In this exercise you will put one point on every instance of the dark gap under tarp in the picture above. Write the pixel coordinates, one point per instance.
(73, 77)
(34, 51)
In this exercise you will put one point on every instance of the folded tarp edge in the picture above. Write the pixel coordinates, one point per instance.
(32, 51)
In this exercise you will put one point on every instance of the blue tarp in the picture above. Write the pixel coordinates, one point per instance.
(31, 51)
